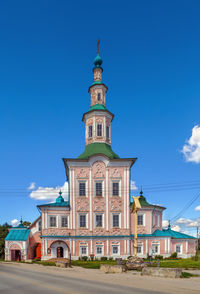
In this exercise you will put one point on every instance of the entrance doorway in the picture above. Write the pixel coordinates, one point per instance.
(60, 252)
(15, 255)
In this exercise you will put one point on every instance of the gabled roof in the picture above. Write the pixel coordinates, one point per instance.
(18, 234)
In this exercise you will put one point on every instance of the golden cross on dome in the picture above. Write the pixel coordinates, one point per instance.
(98, 46)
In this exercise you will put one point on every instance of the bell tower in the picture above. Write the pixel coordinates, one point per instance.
(98, 119)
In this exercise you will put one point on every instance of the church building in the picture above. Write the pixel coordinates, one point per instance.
(96, 220)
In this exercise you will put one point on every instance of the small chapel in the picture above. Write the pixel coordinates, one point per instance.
(97, 218)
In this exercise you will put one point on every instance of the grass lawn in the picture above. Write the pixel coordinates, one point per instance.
(92, 264)
(181, 263)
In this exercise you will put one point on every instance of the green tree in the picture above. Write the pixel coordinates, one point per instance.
(4, 229)
(26, 223)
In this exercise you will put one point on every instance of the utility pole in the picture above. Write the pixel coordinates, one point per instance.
(136, 207)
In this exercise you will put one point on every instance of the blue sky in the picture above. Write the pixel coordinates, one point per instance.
(151, 61)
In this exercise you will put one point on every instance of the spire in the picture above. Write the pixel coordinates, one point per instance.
(169, 226)
(60, 199)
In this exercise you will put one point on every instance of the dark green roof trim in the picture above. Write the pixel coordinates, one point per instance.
(98, 107)
(98, 148)
(157, 233)
(17, 234)
(84, 237)
(55, 204)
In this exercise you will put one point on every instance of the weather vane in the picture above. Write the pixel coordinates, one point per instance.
(98, 46)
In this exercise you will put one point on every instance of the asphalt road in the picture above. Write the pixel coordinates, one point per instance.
(17, 280)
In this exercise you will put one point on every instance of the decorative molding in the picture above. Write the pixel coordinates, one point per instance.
(99, 172)
(82, 174)
(115, 173)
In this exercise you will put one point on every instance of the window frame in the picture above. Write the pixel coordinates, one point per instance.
(49, 221)
(80, 250)
(107, 132)
(102, 250)
(116, 182)
(79, 183)
(180, 246)
(115, 245)
(102, 188)
(144, 219)
(99, 124)
(90, 131)
(141, 246)
(95, 224)
(86, 220)
(61, 220)
(119, 220)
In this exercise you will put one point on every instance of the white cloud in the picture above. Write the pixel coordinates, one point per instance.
(176, 228)
(188, 223)
(191, 149)
(49, 193)
(14, 222)
(133, 185)
(165, 223)
(197, 208)
(31, 186)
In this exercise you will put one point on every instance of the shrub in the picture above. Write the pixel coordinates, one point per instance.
(84, 258)
(110, 258)
(104, 258)
(160, 257)
(174, 255)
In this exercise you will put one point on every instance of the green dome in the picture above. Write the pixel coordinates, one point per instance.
(98, 61)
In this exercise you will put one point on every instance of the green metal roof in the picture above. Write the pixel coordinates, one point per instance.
(98, 148)
(170, 233)
(17, 234)
(98, 107)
